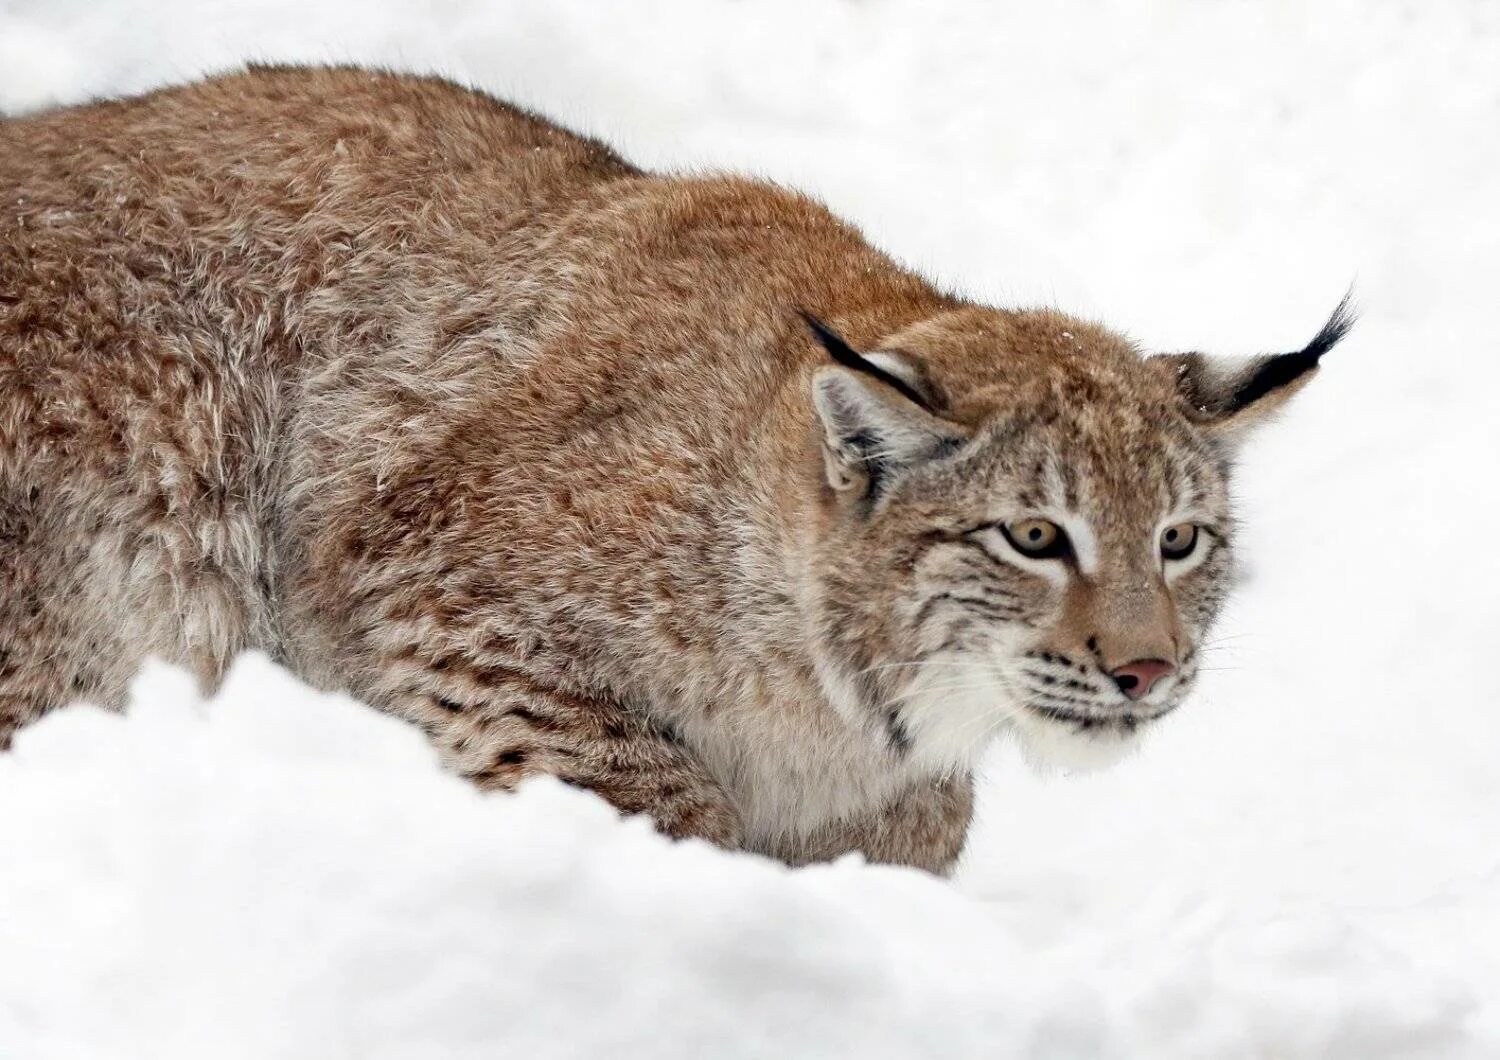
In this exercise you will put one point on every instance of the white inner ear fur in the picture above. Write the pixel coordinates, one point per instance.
(865, 420)
(1218, 375)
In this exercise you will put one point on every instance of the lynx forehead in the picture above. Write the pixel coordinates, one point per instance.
(673, 488)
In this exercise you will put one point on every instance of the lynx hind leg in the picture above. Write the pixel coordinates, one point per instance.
(498, 730)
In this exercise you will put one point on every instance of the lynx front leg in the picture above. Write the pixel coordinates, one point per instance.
(925, 828)
(497, 728)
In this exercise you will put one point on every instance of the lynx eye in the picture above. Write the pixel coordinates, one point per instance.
(1036, 538)
(1178, 542)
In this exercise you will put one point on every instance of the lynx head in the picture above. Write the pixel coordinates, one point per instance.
(1025, 525)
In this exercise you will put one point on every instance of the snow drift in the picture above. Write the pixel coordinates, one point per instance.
(279, 873)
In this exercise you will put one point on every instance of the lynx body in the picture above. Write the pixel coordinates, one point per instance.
(459, 412)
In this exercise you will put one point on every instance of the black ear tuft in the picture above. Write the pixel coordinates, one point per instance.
(1276, 372)
(1332, 333)
(851, 358)
(1230, 396)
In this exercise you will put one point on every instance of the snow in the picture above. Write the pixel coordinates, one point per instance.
(1302, 863)
(281, 873)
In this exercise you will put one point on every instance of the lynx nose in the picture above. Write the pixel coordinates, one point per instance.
(1136, 678)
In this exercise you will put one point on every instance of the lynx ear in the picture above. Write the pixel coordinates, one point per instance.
(1231, 396)
(876, 422)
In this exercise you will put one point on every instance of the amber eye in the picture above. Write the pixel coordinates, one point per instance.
(1178, 542)
(1036, 538)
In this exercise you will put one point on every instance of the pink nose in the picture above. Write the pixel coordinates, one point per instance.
(1137, 678)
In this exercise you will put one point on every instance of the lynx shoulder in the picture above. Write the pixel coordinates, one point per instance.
(673, 488)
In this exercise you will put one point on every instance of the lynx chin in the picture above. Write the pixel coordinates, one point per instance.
(671, 487)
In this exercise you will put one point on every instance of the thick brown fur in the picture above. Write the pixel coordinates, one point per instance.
(452, 409)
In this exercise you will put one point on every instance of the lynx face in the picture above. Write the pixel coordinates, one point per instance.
(1031, 529)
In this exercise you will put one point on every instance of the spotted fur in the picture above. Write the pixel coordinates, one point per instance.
(449, 408)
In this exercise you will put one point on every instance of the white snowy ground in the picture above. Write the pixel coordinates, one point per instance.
(1304, 863)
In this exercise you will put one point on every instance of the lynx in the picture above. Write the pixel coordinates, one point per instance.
(672, 488)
